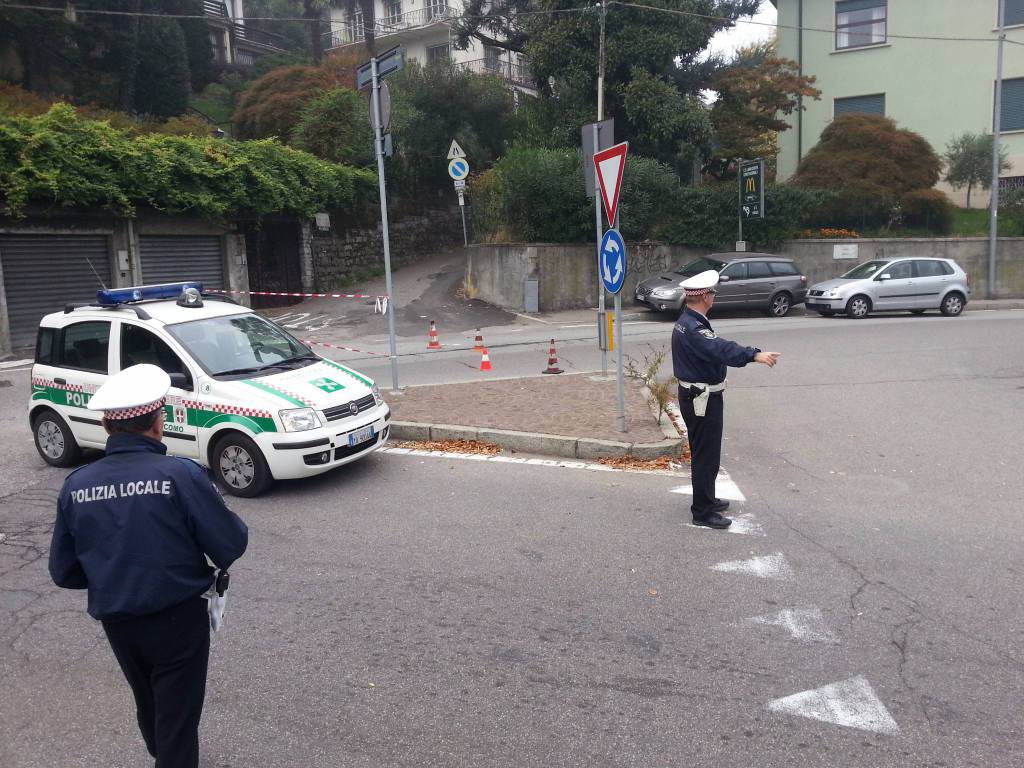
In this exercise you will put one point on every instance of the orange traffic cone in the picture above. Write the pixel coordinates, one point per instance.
(478, 344)
(552, 361)
(485, 360)
(435, 342)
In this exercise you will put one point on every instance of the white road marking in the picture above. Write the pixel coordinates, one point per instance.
(725, 488)
(535, 319)
(850, 703)
(763, 567)
(560, 463)
(744, 524)
(807, 624)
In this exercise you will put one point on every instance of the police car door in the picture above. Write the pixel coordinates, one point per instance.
(138, 344)
(80, 363)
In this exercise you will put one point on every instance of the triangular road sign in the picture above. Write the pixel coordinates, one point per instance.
(455, 151)
(850, 703)
(609, 164)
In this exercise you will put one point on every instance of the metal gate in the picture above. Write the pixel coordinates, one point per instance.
(43, 273)
(176, 258)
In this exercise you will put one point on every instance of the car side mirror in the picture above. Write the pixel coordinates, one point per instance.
(724, 278)
(181, 381)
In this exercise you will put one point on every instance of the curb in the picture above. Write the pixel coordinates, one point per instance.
(537, 442)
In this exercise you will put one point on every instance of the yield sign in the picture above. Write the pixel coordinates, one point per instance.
(609, 164)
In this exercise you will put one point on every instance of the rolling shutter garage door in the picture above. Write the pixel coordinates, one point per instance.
(177, 258)
(43, 273)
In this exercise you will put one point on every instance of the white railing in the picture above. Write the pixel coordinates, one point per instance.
(517, 74)
(352, 33)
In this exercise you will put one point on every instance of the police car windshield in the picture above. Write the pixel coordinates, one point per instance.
(867, 269)
(697, 266)
(240, 345)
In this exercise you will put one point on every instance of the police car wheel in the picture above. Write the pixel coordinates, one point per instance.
(239, 466)
(54, 440)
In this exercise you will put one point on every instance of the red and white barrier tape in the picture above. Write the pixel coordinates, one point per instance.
(301, 295)
(335, 346)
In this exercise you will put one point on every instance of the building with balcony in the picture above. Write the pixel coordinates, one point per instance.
(937, 88)
(234, 42)
(422, 28)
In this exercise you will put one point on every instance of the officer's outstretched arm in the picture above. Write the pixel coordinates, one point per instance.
(65, 568)
(220, 532)
(717, 350)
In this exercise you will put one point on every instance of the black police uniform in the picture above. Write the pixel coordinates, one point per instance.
(135, 528)
(699, 356)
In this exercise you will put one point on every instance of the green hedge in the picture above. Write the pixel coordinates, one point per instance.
(62, 159)
(536, 195)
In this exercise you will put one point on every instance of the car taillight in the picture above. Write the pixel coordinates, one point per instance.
(803, 279)
(968, 281)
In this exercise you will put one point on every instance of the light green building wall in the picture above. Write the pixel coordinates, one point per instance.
(937, 88)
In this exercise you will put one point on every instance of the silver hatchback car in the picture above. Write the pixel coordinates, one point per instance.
(883, 285)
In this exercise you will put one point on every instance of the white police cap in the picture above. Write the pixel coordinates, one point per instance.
(701, 283)
(133, 392)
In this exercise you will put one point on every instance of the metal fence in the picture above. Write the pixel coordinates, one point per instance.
(355, 32)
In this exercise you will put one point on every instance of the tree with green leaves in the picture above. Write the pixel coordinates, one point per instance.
(653, 72)
(162, 76)
(969, 162)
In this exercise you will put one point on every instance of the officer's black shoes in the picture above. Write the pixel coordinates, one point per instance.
(712, 520)
(720, 506)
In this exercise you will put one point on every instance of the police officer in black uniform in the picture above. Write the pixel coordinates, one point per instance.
(135, 529)
(699, 360)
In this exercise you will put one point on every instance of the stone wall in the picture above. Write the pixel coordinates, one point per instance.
(567, 274)
(345, 255)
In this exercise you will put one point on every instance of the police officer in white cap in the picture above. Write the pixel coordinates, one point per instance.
(699, 360)
(135, 529)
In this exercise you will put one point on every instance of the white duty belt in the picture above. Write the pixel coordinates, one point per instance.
(700, 402)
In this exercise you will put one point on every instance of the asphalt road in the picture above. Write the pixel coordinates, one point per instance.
(421, 611)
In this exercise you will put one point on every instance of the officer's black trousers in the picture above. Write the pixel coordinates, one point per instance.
(164, 656)
(705, 435)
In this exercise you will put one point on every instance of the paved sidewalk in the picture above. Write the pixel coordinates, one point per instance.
(578, 408)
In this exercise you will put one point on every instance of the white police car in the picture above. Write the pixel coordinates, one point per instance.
(247, 399)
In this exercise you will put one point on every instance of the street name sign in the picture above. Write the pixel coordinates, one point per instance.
(387, 62)
(612, 264)
(609, 165)
(605, 138)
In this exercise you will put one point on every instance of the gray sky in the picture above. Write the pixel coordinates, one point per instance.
(729, 40)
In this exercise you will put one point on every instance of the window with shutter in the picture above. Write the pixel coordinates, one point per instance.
(1012, 112)
(1013, 12)
(860, 23)
(869, 105)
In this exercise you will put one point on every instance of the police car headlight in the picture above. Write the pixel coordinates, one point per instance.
(378, 398)
(299, 419)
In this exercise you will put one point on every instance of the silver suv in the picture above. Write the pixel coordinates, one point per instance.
(894, 284)
(747, 280)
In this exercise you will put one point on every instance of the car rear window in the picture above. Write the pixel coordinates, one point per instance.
(784, 268)
(929, 268)
(758, 269)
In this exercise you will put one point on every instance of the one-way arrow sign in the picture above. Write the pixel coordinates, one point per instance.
(609, 165)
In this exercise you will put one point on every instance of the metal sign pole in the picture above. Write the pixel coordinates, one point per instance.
(378, 145)
(739, 197)
(462, 207)
(620, 352)
(597, 225)
(993, 224)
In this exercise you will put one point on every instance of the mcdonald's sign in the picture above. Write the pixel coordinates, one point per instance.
(751, 184)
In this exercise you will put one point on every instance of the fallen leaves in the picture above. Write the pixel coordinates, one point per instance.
(651, 465)
(451, 446)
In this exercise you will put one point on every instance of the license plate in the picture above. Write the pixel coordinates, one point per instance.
(360, 435)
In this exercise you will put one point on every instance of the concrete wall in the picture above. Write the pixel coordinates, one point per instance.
(342, 256)
(816, 258)
(568, 273)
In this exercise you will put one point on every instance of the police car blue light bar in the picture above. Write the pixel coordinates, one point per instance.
(114, 296)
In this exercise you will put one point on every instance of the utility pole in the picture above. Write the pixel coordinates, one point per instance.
(993, 231)
(597, 196)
